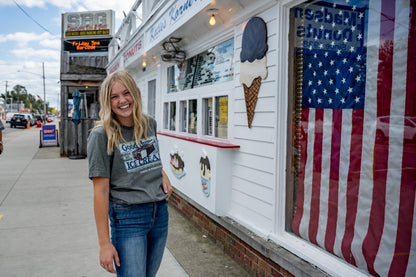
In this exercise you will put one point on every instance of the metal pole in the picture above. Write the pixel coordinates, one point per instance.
(44, 93)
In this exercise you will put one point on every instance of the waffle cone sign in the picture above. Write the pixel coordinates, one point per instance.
(250, 95)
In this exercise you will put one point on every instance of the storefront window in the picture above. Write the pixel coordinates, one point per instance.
(212, 66)
(172, 116)
(192, 120)
(220, 118)
(349, 171)
(182, 115)
(165, 115)
(207, 114)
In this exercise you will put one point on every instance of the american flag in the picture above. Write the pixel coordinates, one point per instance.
(357, 171)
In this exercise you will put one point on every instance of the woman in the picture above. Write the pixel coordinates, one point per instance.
(130, 186)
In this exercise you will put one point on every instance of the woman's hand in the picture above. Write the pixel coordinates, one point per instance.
(108, 254)
(167, 186)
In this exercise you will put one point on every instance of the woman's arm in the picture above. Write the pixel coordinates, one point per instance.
(167, 187)
(108, 253)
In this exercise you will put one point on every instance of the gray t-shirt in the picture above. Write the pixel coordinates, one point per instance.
(134, 169)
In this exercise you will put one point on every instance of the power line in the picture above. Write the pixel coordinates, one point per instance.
(28, 15)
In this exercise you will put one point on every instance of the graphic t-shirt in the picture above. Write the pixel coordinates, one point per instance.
(134, 169)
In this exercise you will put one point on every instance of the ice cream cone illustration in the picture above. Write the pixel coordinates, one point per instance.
(250, 95)
(253, 67)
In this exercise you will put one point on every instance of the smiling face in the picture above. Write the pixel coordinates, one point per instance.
(122, 104)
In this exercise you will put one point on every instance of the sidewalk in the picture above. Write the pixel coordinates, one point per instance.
(47, 224)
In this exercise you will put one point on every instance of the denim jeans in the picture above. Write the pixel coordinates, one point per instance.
(139, 234)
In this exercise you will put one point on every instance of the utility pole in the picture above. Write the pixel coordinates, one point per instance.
(5, 96)
(44, 93)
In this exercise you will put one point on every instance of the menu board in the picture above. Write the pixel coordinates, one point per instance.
(212, 66)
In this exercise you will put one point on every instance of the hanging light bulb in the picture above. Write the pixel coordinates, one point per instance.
(212, 20)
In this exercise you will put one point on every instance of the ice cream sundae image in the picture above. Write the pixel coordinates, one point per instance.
(177, 164)
(205, 170)
(253, 62)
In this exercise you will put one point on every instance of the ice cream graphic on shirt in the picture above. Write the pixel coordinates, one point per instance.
(253, 62)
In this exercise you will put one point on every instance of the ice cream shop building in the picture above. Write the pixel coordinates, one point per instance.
(288, 128)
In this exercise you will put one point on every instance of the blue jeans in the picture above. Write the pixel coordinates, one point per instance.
(139, 234)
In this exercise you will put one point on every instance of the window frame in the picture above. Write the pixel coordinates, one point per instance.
(284, 181)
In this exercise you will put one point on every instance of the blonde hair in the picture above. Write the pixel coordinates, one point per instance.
(107, 118)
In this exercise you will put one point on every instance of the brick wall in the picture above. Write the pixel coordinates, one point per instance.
(250, 259)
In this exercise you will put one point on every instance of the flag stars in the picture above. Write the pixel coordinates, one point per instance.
(319, 100)
(331, 82)
(350, 89)
(310, 100)
(361, 15)
(344, 61)
(330, 101)
(325, 72)
(325, 91)
(360, 36)
(332, 43)
(358, 78)
(319, 82)
(320, 64)
(351, 69)
(338, 52)
(310, 83)
(358, 58)
(343, 80)
(353, 28)
(357, 99)
(321, 46)
(352, 49)
(332, 62)
(337, 71)
(314, 91)
(310, 65)
(326, 54)
(342, 100)
(336, 91)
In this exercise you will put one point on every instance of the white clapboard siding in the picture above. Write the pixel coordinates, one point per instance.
(253, 170)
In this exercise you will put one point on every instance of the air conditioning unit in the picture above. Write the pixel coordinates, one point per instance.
(171, 52)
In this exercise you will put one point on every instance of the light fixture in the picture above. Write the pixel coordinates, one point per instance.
(144, 65)
(212, 12)
(212, 20)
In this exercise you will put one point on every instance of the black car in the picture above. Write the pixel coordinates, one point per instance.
(19, 119)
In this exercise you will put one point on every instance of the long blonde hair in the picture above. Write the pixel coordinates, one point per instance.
(107, 117)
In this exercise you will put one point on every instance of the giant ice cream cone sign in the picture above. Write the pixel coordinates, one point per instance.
(253, 67)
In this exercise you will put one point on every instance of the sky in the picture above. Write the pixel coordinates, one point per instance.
(24, 45)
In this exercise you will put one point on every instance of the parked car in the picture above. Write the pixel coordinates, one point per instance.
(20, 119)
(38, 117)
(31, 118)
(9, 116)
(384, 126)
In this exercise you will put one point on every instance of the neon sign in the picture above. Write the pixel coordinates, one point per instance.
(87, 45)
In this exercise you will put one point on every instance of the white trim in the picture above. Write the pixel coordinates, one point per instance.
(315, 255)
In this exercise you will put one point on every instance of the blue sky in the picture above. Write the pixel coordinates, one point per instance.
(24, 45)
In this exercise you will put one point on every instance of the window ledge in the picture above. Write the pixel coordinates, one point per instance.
(201, 140)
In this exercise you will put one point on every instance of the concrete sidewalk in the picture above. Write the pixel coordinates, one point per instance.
(46, 207)
(47, 224)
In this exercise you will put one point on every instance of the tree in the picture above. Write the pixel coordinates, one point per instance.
(19, 94)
